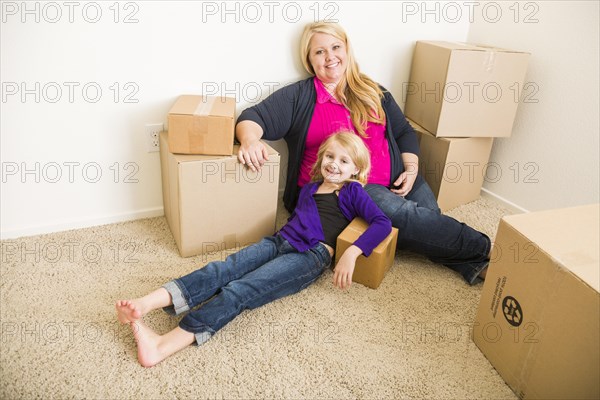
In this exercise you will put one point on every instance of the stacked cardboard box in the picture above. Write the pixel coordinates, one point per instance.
(458, 98)
(538, 319)
(202, 125)
(454, 168)
(211, 201)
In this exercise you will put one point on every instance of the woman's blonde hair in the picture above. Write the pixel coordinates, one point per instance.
(359, 93)
(357, 150)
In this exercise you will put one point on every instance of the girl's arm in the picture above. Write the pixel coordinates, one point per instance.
(379, 228)
(380, 225)
(344, 269)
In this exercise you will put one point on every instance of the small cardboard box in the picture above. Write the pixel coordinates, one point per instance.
(202, 125)
(214, 203)
(454, 168)
(369, 271)
(538, 319)
(465, 90)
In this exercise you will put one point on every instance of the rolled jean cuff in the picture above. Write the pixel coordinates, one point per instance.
(179, 304)
(202, 333)
(473, 278)
(202, 337)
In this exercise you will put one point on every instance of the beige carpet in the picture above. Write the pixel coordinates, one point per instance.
(408, 339)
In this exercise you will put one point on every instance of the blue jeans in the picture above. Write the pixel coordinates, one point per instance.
(250, 278)
(439, 237)
(422, 195)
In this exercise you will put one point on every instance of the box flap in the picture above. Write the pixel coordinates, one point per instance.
(204, 105)
(223, 107)
(469, 46)
(570, 236)
(203, 157)
(417, 127)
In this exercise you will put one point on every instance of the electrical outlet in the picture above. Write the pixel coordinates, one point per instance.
(152, 132)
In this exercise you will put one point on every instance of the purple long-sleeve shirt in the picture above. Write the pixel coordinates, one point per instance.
(304, 231)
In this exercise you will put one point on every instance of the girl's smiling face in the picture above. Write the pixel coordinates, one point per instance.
(337, 165)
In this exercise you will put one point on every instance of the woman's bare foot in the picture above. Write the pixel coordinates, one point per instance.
(483, 273)
(154, 348)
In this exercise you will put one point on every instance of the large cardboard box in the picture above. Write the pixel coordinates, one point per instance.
(202, 125)
(214, 203)
(539, 315)
(465, 90)
(368, 271)
(454, 168)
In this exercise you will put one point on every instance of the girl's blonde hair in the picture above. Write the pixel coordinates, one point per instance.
(359, 93)
(357, 150)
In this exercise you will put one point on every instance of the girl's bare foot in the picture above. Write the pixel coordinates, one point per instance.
(154, 348)
(128, 311)
(133, 310)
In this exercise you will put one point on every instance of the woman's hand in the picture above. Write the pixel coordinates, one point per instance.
(404, 184)
(342, 274)
(253, 152)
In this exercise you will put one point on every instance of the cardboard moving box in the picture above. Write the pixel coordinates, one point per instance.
(539, 315)
(369, 271)
(214, 203)
(202, 125)
(454, 168)
(465, 90)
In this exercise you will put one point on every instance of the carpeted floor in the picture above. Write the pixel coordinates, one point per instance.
(408, 339)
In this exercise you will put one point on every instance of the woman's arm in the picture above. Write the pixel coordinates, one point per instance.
(270, 119)
(407, 143)
(253, 152)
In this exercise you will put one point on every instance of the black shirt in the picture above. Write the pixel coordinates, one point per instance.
(332, 219)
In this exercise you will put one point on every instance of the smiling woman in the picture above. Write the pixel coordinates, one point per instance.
(338, 97)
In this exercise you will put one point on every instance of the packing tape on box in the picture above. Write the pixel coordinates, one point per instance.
(205, 106)
(489, 61)
(196, 140)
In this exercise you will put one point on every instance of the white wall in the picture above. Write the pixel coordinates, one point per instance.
(173, 48)
(552, 158)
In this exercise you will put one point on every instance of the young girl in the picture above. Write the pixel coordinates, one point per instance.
(275, 267)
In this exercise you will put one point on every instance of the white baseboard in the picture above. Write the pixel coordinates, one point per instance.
(67, 226)
(506, 203)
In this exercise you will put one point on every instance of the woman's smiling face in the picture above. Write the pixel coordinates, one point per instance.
(328, 56)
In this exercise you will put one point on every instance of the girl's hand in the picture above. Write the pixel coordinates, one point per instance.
(342, 274)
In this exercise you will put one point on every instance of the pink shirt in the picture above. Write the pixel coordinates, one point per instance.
(329, 117)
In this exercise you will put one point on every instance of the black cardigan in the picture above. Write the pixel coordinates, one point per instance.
(287, 113)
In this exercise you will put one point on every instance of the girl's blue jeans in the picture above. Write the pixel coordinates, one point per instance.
(250, 278)
(424, 230)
